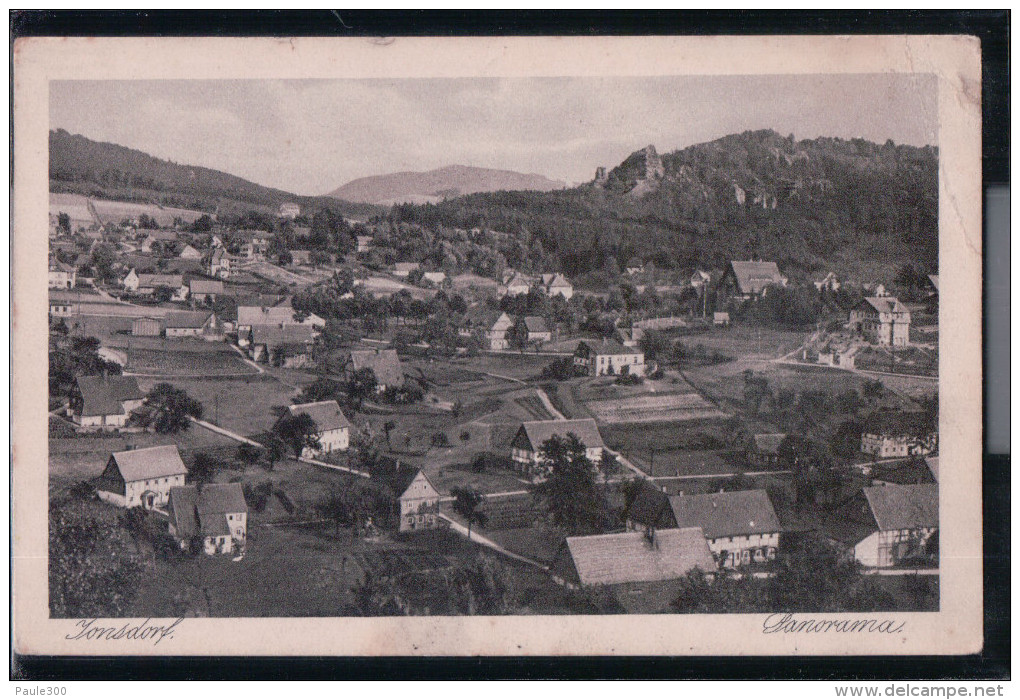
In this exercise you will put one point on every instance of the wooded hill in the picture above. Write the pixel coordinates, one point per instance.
(109, 171)
(854, 207)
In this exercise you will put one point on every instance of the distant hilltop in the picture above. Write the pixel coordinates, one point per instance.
(437, 185)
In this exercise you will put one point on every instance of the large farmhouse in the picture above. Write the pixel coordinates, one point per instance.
(608, 357)
(104, 402)
(741, 526)
(888, 434)
(142, 477)
(748, 279)
(216, 515)
(882, 321)
(385, 364)
(333, 430)
(885, 525)
(526, 446)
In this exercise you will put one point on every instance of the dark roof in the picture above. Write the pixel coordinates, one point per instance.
(149, 463)
(726, 514)
(203, 511)
(768, 443)
(160, 280)
(607, 347)
(898, 507)
(651, 507)
(385, 364)
(275, 336)
(206, 286)
(535, 324)
(586, 430)
(187, 319)
(899, 423)
(884, 305)
(396, 475)
(326, 414)
(632, 556)
(103, 396)
(753, 276)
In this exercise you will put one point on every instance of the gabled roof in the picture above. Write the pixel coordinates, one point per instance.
(203, 511)
(149, 463)
(160, 280)
(607, 347)
(326, 414)
(385, 364)
(898, 507)
(754, 276)
(271, 315)
(217, 255)
(768, 443)
(586, 430)
(187, 319)
(934, 279)
(103, 396)
(628, 557)
(726, 514)
(206, 286)
(535, 324)
(555, 280)
(502, 323)
(397, 475)
(933, 466)
(275, 336)
(884, 305)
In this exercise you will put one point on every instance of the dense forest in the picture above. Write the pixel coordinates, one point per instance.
(856, 207)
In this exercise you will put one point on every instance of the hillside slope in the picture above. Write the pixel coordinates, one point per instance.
(854, 207)
(435, 185)
(106, 170)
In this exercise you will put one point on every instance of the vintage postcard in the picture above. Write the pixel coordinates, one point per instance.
(497, 346)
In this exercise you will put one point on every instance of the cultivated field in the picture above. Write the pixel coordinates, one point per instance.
(654, 408)
(115, 212)
(184, 364)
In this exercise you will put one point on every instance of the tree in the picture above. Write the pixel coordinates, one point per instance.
(64, 222)
(388, 427)
(811, 464)
(570, 492)
(170, 409)
(298, 432)
(335, 507)
(203, 468)
(163, 293)
(248, 455)
(102, 261)
(276, 450)
(466, 503)
(202, 224)
(362, 385)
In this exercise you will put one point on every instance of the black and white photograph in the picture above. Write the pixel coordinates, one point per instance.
(494, 345)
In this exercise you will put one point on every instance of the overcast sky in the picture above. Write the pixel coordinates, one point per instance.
(311, 136)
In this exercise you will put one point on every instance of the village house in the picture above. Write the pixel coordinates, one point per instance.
(885, 525)
(248, 316)
(403, 269)
(829, 283)
(741, 526)
(218, 263)
(889, 434)
(497, 335)
(282, 346)
(148, 284)
(300, 257)
(104, 402)
(720, 318)
(141, 478)
(61, 275)
(188, 252)
(147, 326)
(632, 557)
(289, 210)
(333, 430)
(434, 278)
(526, 446)
(364, 244)
(763, 450)
(184, 324)
(384, 363)
(416, 500)
(204, 290)
(881, 321)
(555, 283)
(216, 515)
(516, 284)
(608, 357)
(154, 240)
(749, 279)
(532, 331)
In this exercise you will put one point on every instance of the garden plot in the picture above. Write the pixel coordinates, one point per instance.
(654, 408)
(186, 364)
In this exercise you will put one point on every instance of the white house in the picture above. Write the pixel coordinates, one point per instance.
(104, 402)
(403, 269)
(888, 434)
(279, 316)
(741, 527)
(214, 514)
(188, 252)
(555, 283)
(497, 334)
(289, 210)
(886, 524)
(608, 357)
(526, 446)
(516, 284)
(218, 263)
(882, 321)
(182, 324)
(333, 428)
(61, 275)
(416, 500)
(141, 478)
